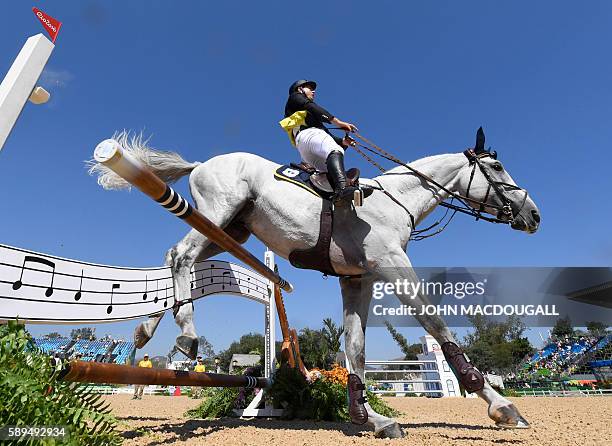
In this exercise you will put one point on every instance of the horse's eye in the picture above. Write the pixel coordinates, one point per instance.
(498, 167)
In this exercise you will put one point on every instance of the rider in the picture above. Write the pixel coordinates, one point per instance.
(317, 146)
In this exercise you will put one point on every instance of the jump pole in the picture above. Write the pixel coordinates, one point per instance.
(103, 373)
(110, 154)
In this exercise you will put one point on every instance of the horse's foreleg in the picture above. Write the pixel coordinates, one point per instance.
(356, 296)
(144, 331)
(502, 411)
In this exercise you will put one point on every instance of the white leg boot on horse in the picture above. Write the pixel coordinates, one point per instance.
(397, 267)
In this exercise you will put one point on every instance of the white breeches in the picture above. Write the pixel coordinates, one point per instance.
(314, 146)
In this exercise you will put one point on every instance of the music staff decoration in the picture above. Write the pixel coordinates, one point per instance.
(40, 288)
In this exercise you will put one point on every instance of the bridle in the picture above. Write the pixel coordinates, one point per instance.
(498, 187)
(507, 212)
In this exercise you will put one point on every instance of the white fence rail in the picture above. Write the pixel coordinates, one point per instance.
(426, 382)
(112, 390)
(564, 393)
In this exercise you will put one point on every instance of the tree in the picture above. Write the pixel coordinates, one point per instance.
(563, 327)
(248, 343)
(159, 362)
(53, 335)
(84, 333)
(410, 351)
(498, 346)
(205, 348)
(333, 335)
(596, 328)
(314, 349)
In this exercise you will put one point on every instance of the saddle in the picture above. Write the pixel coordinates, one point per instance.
(307, 177)
(317, 183)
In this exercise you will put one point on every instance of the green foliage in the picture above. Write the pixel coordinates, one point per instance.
(563, 327)
(410, 351)
(84, 333)
(332, 334)
(53, 335)
(596, 328)
(219, 402)
(322, 400)
(314, 348)
(498, 346)
(205, 349)
(31, 394)
(247, 343)
(158, 362)
(380, 406)
(510, 393)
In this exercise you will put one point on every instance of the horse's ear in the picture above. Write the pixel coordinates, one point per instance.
(480, 141)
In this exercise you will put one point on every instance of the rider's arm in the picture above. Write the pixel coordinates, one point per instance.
(301, 102)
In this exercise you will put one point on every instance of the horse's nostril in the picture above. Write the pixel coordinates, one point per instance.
(535, 216)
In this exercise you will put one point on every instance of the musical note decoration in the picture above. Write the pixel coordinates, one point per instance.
(115, 286)
(77, 295)
(229, 280)
(18, 283)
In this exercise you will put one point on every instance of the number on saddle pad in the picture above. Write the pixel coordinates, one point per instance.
(291, 173)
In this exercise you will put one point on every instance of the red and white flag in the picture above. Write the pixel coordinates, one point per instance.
(51, 25)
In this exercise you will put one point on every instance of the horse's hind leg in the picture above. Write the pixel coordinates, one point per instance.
(356, 297)
(181, 258)
(145, 330)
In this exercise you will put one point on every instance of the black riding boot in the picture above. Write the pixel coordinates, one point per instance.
(337, 177)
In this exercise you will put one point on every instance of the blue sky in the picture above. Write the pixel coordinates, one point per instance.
(418, 78)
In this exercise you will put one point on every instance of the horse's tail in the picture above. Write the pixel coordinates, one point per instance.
(169, 166)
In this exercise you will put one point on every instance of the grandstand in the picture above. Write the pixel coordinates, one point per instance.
(598, 360)
(112, 351)
(571, 357)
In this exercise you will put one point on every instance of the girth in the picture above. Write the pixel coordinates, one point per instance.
(317, 257)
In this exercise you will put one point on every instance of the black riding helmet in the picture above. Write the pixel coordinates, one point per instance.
(301, 83)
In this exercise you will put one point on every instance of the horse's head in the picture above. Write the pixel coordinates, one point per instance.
(490, 189)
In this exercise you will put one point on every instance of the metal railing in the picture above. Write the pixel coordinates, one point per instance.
(564, 393)
(409, 383)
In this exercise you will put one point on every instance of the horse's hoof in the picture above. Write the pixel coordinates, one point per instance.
(188, 346)
(141, 337)
(392, 430)
(508, 417)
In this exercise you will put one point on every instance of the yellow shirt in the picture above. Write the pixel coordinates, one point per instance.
(144, 363)
(200, 368)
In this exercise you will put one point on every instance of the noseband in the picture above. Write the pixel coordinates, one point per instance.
(498, 187)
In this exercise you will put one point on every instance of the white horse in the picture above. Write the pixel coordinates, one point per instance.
(238, 192)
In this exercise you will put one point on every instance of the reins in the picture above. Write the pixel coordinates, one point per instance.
(474, 159)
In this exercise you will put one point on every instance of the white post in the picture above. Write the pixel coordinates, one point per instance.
(255, 408)
(20, 82)
(270, 317)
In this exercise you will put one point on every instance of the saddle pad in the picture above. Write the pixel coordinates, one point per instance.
(299, 178)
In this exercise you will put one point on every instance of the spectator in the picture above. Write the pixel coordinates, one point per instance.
(139, 388)
(196, 392)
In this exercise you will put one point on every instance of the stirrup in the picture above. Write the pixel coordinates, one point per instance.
(345, 194)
